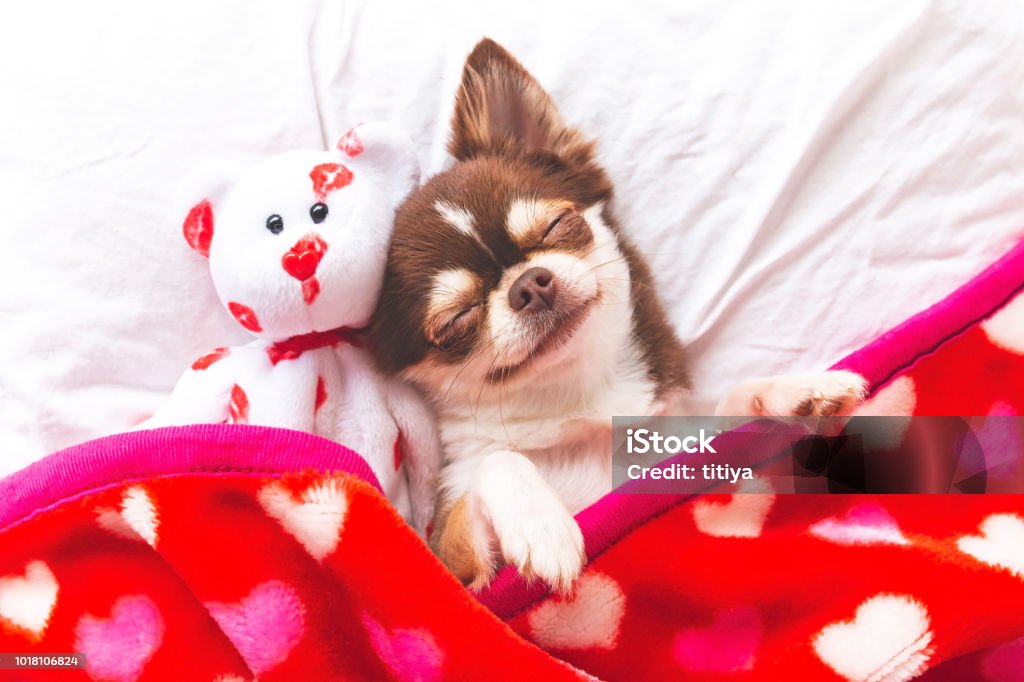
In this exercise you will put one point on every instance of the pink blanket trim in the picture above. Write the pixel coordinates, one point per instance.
(211, 448)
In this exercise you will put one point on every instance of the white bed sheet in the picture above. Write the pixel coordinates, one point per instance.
(802, 177)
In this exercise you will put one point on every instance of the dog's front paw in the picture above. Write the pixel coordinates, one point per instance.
(541, 538)
(510, 508)
(812, 394)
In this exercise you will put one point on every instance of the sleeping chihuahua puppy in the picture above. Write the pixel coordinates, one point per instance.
(514, 301)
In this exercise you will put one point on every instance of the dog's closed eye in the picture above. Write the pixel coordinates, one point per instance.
(568, 230)
(454, 333)
(551, 232)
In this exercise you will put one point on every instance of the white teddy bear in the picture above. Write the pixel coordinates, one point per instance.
(297, 247)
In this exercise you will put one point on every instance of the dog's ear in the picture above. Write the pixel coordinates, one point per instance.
(501, 109)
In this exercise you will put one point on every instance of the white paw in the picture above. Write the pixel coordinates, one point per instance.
(810, 394)
(544, 542)
(534, 530)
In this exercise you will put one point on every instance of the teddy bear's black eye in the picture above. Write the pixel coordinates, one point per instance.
(275, 224)
(318, 212)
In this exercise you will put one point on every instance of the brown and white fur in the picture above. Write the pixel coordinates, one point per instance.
(515, 302)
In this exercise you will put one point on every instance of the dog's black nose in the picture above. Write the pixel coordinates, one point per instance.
(533, 292)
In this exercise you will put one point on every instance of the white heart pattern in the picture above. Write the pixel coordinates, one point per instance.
(1006, 328)
(315, 520)
(27, 601)
(898, 399)
(111, 520)
(1001, 543)
(887, 640)
(139, 512)
(137, 519)
(743, 516)
(864, 524)
(588, 619)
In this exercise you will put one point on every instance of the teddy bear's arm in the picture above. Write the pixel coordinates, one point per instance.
(201, 396)
(422, 450)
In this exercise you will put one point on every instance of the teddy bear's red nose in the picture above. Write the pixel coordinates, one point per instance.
(304, 258)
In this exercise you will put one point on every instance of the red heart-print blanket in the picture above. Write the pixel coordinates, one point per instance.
(225, 553)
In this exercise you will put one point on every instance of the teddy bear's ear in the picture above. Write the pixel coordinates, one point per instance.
(199, 197)
(382, 149)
